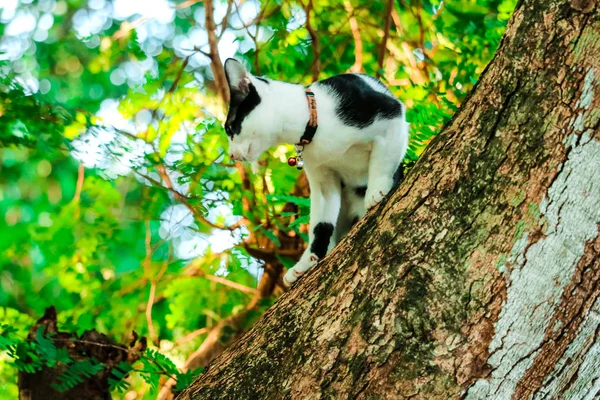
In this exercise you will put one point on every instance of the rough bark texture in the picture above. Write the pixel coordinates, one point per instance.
(478, 278)
(90, 345)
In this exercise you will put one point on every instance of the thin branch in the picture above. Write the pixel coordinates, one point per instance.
(397, 23)
(108, 345)
(199, 50)
(228, 283)
(316, 64)
(254, 37)
(151, 297)
(231, 284)
(195, 271)
(421, 30)
(183, 199)
(225, 19)
(147, 263)
(193, 335)
(358, 44)
(187, 4)
(179, 73)
(127, 26)
(259, 16)
(331, 45)
(130, 289)
(215, 60)
(171, 88)
(439, 11)
(417, 76)
(386, 35)
(80, 179)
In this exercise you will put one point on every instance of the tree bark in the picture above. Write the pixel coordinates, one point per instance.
(479, 277)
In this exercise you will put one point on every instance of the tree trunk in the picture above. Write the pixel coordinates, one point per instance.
(479, 277)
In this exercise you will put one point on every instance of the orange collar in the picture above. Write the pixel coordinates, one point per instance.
(309, 131)
(312, 125)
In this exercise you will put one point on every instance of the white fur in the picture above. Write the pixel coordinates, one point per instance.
(358, 157)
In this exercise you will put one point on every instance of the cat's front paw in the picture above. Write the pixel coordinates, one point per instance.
(375, 194)
(372, 199)
(294, 273)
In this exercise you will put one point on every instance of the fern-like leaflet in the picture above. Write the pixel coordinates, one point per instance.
(75, 373)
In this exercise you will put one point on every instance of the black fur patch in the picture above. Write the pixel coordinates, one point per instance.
(360, 191)
(323, 232)
(239, 108)
(262, 80)
(355, 220)
(359, 104)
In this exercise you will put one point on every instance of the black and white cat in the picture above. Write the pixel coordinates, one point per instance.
(353, 160)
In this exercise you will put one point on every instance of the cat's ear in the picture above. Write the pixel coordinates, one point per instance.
(238, 79)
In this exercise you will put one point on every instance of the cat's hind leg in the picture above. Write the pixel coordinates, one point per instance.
(353, 209)
(344, 221)
(388, 151)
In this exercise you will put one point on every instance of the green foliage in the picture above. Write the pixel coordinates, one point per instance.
(31, 356)
(186, 379)
(117, 380)
(76, 372)
(49, 354)
(154, 364)
(115, 185)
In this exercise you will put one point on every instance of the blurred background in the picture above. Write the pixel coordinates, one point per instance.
(118, 203)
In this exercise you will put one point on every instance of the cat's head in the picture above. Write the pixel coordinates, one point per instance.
(249, 121)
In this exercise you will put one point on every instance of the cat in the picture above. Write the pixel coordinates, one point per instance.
(351, 163)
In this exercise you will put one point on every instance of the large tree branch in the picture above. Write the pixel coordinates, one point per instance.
(471, 275)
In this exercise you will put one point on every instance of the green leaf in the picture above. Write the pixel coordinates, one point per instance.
(271, 235)
(187, 378)
(76, 372)
(300, 201)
